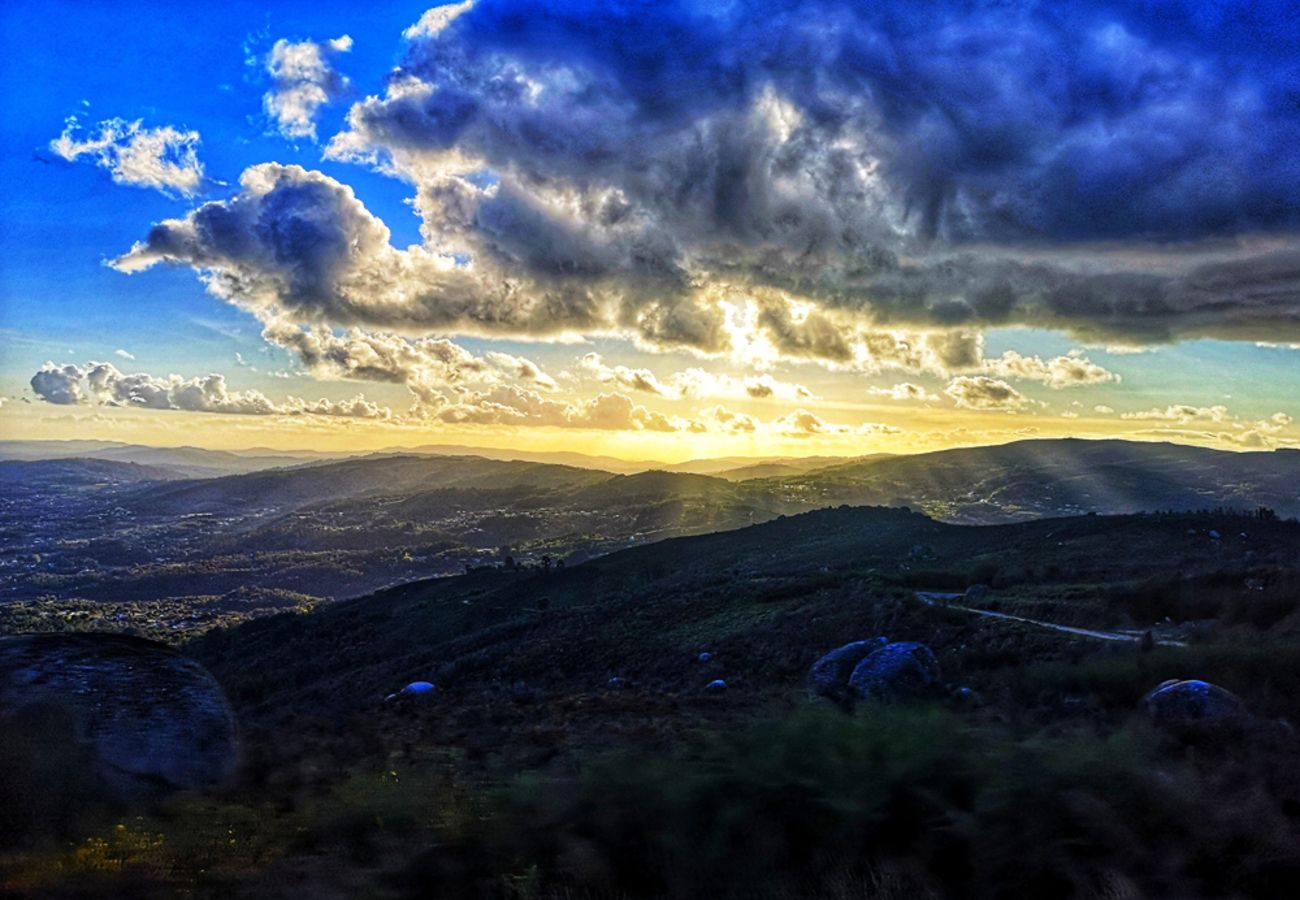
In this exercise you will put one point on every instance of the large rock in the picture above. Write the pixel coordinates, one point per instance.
(1194, 707)
(829, 676)
(899, 671)
(143, 717)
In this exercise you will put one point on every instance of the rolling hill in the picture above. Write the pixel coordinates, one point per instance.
(1036, 478)
(137, 545)
(761, 599)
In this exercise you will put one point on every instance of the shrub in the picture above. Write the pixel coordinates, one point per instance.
(795, 808)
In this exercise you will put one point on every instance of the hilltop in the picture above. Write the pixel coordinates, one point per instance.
(1035, 478)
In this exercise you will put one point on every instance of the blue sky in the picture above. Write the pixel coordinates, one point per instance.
(764, 219)
(165, 63)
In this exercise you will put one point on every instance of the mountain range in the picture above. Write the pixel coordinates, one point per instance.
(141, 544)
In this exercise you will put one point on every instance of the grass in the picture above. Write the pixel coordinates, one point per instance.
(1053, 788)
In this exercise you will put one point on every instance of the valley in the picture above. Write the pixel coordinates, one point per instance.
(141, 546)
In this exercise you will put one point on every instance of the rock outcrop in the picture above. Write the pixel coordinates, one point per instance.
(1191, 708)
(899, 671)
(829, 676)
(144, 717)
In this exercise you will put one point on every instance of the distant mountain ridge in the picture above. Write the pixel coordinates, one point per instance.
(119, 532)
(75, 471)
(1054, 477)
(198, 462)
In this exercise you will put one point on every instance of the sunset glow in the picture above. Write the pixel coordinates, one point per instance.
(275, 237)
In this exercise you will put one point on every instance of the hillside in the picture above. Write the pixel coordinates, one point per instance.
(165, 554)
(759, 597)
(137, 547)
(573, 733)
(1036, 478)
(192, 462)
(78, 473)
(585, 721)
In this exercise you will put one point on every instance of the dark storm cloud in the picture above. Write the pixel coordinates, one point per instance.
(943, 166)
(1056, 121)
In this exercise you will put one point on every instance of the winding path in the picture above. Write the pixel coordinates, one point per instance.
(944, 600)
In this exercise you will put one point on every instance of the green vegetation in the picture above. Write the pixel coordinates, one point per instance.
(887, 803)
(528, 774)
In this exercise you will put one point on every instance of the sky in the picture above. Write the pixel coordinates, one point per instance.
(655, 230)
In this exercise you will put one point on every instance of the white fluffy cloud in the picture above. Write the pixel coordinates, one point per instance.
(428, 367)
(593, 366)
(805, 181)
(164, 158)
(511, 405)
(1218, 423)
(1182, 413)
(904, 391)
(693, 382)
(102, 383)
(719, 418)
(300, 245)
(802, 423)
(1074, 370)
(303, 80)
(981, 392)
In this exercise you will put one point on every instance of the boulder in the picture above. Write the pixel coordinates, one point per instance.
(716, 686)
(966, 698)
(976, 593)
(898, 671)
(145, 718)
(829, 676)
(1193, 707)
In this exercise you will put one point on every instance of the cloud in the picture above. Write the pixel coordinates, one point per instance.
(984, 393)
(124, 354)
(1074, 370)
(693, 382)
(719, 418)
(940, 166)
(802, 423)
(165, 158)
(434, 20)
(102, 383)
(522, 369)
(63, 385)
(591, 364)
(303, 80)
(511, 405)
(428, 367)
(866, 186)
(299, 245)
(1182, 413)
(904, 391)
(1262, 434)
